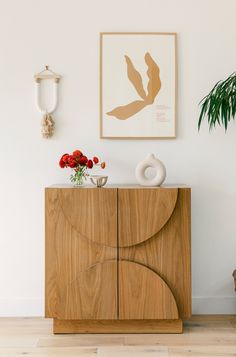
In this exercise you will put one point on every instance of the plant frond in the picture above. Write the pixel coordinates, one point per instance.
(219, 106)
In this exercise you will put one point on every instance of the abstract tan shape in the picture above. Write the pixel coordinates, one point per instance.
(135, 78)
(143, 294)
(86, 297)
(65, 246)
(126, 111)
(98, 207)
(154, 86)
(136, 224)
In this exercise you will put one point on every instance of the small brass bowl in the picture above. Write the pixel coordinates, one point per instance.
(99, 181)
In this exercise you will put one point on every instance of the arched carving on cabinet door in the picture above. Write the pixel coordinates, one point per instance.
(143, 294)
(91, 296)
(92, 213)
(143, 213)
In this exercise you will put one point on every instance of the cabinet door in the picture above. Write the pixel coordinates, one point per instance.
(81, 253)
(154, 253)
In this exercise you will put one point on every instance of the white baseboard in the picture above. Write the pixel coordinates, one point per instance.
(35, 307)
(214, 305)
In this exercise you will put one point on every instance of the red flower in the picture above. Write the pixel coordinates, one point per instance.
(78, 161)
(95, 160)
(77, 153)
(71, 161)
(83, 160)
(62, 164)
(89, 164)
(63, 161)
(65, 157)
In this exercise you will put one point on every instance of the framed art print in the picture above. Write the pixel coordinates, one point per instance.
(137, 85)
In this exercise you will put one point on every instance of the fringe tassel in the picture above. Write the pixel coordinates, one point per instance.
(47, 126)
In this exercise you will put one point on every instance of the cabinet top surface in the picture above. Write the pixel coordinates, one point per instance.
(115, 186)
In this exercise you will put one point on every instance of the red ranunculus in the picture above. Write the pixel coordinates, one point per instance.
(77, 153)
(83, 160)
(71, 161)
(89, 164)
(63, 161)
(65, 157)
(62, 164)
(95, 160)
(79, 162)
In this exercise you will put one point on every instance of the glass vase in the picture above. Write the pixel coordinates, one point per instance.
(78, 177)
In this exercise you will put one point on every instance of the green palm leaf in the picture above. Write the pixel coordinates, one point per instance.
(219, 106)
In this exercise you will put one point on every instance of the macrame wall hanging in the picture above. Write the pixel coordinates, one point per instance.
(48, 123)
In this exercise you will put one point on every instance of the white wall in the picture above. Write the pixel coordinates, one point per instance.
(65, 34)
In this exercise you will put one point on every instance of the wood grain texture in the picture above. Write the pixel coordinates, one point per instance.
(143, 294)
(68, 253)
(169, 252)
(117, 326)
(81, 253)
(92, 295)
(51, 216)
(203, 336)
(92, 213)
(143, 212)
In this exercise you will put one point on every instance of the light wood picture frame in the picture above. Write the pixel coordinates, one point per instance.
(138, 80)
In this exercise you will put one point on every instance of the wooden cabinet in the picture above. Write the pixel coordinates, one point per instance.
(117, 259)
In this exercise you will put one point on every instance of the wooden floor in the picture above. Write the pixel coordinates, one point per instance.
(203, 336)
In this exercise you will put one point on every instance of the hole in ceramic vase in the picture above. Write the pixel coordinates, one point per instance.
(150, 172)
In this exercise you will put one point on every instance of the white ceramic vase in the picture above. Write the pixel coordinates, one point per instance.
(150, 161)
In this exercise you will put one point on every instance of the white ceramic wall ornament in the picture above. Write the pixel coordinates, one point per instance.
(47, 121)
(150, 161)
